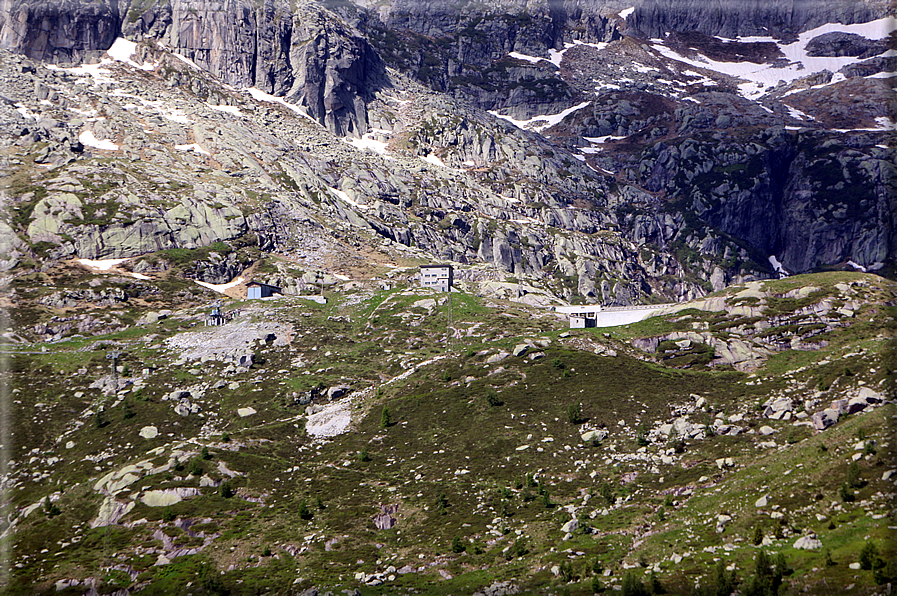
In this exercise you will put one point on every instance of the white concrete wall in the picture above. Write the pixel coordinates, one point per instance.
(614, 318)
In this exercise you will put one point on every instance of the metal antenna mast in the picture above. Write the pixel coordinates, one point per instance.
(450, 331)
(114, 355)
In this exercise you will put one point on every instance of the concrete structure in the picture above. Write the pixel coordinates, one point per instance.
(594, 315)
(255, 290)
(581, 316)
(215, 317)
(438, 277)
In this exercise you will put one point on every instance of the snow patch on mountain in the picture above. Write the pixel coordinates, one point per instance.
(102, 264)
(761, 78)
(96, 72)
(221, 288)
(555, 56)
(884, 124)
(531, 59)
(192, 147)
(186, 60)
(777, 266)
(368, 142)
(345, 198)
(88, 139)
(541, 123)
(122, 50)
(797, 114)
(259, 95)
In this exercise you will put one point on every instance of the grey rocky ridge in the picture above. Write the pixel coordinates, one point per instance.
(705, 184)
(727, 168)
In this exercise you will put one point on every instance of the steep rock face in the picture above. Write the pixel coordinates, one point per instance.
(243, 43)
(843, 205)
(300, 49)
(219, 37)
(810, 199)
(305, 53)
(335, 71)
(655, 18)
(464, 49)
(59, 31)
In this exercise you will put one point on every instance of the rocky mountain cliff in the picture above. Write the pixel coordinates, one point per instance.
(361, 433)
(316, 61)
(781, 20)
(552, 140)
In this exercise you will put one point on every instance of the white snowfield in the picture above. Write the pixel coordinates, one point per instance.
(761, 78)
(777, 265)
(557, 55)
(531, 59)
(102, 264)
(540, 123)
(259, 95)
(108, 265)
(368, 142)
(220, 288)
(88, 139)
(433, 159)
(192, 147)
(122, 50)
(345, 198)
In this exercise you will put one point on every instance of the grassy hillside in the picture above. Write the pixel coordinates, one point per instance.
(473, 460)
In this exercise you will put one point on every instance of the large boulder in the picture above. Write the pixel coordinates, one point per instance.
(777, 407)
(824, 419)
(855, 404)
(11, 247)
(870, 396)
(337, 392)
(594, 435)
(840, 405)
(683, 427)
(808, 542)
(838, 43)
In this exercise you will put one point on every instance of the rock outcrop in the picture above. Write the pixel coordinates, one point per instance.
(654, 18)
(300, 49)
(663, 180)
(60, 31)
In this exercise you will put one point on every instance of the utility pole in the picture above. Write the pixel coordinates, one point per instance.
(114, 355)
(450, 331)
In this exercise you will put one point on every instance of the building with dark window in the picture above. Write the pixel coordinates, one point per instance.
(581, 317)
(255, 290)
(438, 277)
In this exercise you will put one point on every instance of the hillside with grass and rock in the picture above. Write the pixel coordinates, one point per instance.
(721, 182)
(375, 445)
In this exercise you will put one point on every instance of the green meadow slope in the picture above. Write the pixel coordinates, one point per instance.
(392, 441)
